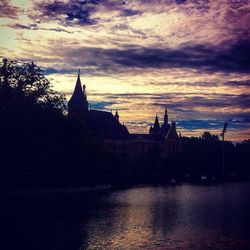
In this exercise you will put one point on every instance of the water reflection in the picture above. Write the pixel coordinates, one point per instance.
(180, 217)
(172, 218)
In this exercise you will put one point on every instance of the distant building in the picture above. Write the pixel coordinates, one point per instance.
(117, 139)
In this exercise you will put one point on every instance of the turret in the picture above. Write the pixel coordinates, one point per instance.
(156, 124)
(156, 127)
(116, 116)
(166, 115)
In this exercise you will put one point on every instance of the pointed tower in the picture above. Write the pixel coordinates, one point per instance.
(166, 115)
(156, 128)
(156, 124)
(78, 105)
(165, 126)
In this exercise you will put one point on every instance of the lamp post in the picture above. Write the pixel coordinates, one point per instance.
(223, 150)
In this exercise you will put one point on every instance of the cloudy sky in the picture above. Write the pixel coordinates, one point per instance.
(136, 56)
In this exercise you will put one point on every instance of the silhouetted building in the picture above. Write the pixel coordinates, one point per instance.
(164, 137)
(99, 123)
(116, 137)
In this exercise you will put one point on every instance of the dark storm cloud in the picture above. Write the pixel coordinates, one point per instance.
(74, 12)
(78, 12)
(235, 58)
(7, 10)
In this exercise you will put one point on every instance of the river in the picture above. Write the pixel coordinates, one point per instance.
(146, 217)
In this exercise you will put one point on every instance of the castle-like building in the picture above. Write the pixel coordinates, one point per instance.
(117, 139)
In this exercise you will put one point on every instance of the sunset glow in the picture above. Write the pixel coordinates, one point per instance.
(137, 56)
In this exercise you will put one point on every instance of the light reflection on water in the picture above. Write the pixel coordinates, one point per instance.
(171, 218)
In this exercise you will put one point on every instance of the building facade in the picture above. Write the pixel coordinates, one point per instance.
(116, 137)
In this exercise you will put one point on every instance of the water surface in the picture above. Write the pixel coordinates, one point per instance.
(172, 217)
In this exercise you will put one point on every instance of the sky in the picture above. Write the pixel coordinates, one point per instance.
(137, 56)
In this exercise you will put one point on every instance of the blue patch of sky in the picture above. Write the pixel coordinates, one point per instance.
(103, 105)
(49, 71)
(233, 124)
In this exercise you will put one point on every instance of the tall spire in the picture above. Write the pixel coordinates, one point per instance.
(78, 103)
(78, 92)
(166, 115)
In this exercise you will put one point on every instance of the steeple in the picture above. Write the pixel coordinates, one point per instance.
(166, 115)
(78, 104)
(78, 91)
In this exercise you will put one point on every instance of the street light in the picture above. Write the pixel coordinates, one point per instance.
(223, 150)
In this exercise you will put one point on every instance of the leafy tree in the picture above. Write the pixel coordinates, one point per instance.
(22, 84)
(40, 147)
(32, 124)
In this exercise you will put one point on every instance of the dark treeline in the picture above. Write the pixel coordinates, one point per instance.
(200, 156)
(42, 148)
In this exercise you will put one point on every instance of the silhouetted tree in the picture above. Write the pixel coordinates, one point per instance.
(32, 124)
(23, 83)
(209, 137)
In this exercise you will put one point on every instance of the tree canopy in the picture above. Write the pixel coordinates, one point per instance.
(23, 85)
